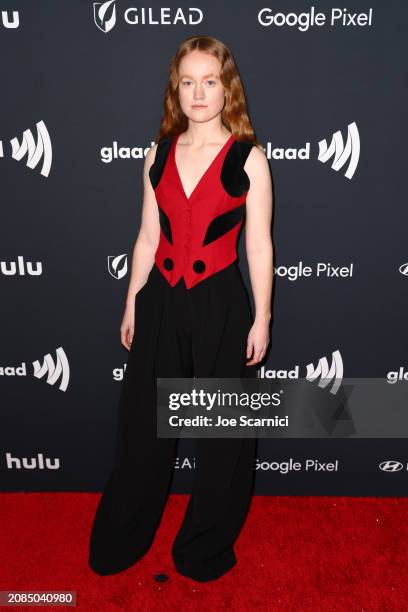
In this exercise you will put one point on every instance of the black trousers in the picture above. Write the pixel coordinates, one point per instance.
(179, 332)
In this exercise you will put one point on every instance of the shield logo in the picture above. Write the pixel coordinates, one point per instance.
(117, 266)
(105, 15)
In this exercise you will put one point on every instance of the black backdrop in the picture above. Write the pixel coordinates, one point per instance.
(81, 101)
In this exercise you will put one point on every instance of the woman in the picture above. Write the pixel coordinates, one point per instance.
(188, 314)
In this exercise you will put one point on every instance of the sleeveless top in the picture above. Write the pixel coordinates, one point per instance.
(198, 234)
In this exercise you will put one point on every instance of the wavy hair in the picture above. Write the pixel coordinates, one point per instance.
(234, 114)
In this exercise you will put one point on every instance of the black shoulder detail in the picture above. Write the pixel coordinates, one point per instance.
(165, 224)
(224, 223)
(157, 167)
(233, 176)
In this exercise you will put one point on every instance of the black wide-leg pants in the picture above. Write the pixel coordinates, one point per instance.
(179, 333)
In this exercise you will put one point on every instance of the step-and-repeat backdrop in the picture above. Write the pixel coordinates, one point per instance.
(82, 95)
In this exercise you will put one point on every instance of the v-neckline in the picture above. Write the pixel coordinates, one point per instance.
(188, 198)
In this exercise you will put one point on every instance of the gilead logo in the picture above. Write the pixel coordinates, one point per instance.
(163, 16)
(404, 269)
(32, 463)
(117, 266)
(105, 15)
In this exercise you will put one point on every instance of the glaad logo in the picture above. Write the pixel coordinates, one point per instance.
(326, 375)
(7, 23)
(321, 372)
(33, 463)
(117, 266)
(115, 152)
(105, 15)
(35, 150)
(391, 466)
(404, 269)
(341, 152)
(393, 376)
(20, 267)
(337, 149)
(119, 373)
(54, 371)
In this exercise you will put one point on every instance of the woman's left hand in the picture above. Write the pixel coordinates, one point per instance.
(258, 340)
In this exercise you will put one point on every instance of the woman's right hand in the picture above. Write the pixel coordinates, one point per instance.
(127, 327)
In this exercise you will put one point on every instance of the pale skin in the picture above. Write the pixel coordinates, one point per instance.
(199, 83)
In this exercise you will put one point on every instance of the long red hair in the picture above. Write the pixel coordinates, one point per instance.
(234, 114)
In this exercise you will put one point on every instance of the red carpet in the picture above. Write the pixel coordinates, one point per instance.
(295, 554)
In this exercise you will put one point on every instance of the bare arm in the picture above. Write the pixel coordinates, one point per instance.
(149, 234)
(259, 245)
(259, 249)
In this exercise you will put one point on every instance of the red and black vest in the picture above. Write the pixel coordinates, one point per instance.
(198, 234)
